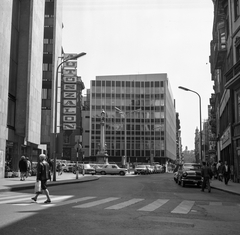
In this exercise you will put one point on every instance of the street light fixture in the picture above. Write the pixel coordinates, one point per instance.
(200, 116)
(55, 120)
(125, 128)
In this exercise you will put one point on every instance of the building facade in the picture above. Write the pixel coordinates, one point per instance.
(225, 102)
(21, 79)
(148, 110)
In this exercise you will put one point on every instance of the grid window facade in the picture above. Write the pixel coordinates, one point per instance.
(143, 103)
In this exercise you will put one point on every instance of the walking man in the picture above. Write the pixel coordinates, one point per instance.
(43, 174)
(226, 172)
(206, 173)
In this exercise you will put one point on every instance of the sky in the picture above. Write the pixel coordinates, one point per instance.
(123, 37)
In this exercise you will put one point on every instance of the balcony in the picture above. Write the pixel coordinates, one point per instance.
(232, 75)
(218, 54)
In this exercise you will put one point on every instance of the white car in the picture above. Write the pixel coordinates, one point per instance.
(111, 169)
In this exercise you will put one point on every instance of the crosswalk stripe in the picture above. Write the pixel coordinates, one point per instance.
(124, 204)
(184, 207)
(96, 203)
(11, 197)
(155, 205)
(215, 203)
(76, 200)
(15, 200)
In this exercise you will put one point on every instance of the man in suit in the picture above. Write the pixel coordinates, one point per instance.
(206, 173)
(226, 172)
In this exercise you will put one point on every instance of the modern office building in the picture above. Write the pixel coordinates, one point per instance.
(139, 114)
(22, 37)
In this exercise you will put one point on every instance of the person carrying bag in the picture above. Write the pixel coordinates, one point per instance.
(43, 172)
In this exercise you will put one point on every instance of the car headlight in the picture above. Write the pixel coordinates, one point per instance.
(184, 174)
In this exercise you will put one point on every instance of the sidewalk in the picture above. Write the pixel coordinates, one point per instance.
(231, 187)
(14, 184)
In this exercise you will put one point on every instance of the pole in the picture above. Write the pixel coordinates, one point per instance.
(200, 127)
(77, 159)
(125, 139)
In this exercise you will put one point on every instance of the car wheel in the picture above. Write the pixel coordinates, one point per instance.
(121, 173)
(103, 173)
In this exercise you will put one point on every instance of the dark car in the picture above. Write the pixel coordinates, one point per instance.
(189, 173)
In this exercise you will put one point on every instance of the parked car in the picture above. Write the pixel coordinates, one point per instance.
(111, 169)
(140, 169)
(189, 173)
(86, 167)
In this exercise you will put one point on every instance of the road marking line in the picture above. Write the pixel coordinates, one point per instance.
(184, 207)
(155, 205)
(96, 203)
(124, 204)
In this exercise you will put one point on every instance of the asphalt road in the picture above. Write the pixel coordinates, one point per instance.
(150, 204)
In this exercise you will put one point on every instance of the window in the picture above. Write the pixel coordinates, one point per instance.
(238, 107)
(236, 9)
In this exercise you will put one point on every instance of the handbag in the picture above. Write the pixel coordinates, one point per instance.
(37, 188)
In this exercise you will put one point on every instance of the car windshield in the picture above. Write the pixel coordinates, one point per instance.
(192, 167)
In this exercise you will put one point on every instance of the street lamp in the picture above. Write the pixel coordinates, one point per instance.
(200, 115)
(55, 119)
(125, 128)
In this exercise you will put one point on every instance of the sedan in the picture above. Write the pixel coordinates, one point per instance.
(189, 173)
(87, 169)
(111, 169)
(140, 169)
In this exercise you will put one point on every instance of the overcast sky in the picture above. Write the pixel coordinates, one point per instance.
(124, 37)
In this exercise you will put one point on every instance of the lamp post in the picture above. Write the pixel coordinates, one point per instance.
(55, 119)
(125, 129)
(200, 116)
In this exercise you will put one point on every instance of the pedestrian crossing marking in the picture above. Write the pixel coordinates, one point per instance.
(25, 200)
(183, 208)
(155, 205)
(215, 203)
(124, 204)
(96, 203)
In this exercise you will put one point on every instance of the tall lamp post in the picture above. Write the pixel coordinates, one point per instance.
(55, 120)
(125, 129)
(200, 116)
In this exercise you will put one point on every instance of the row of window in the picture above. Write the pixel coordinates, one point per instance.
(128, 83)
(129, 96)
(135, 155)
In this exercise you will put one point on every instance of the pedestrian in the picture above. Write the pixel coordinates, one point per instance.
(219, 170)
(59, 168)
(22, 167)
(43, 172)
(226, 172)
(207, 174)
(29, 167)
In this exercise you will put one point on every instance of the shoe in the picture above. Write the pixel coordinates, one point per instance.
(34, 199)
(48, 201)
(209, 191)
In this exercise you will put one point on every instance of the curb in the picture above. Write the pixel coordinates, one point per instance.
(226, 191)
(50, 184)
